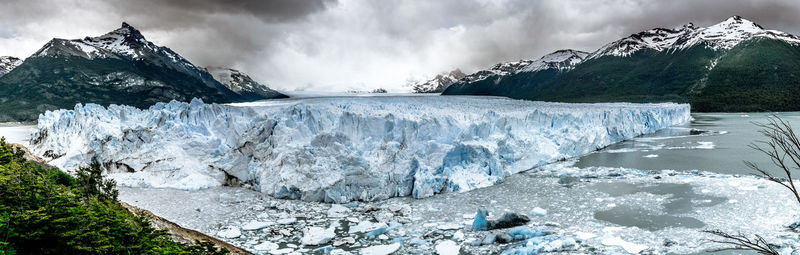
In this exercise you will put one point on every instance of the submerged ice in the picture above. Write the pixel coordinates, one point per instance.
(338, 149)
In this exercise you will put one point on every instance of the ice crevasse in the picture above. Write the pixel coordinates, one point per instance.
(338, 149)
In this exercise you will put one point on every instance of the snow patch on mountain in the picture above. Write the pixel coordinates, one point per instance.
(8, 63)
(561, 60)
(656, 39)
(438, 83)
(338, 149)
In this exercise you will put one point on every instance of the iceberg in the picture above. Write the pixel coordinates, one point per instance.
(338, 149)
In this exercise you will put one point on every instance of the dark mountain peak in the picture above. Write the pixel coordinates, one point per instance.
(570, 51)
(127, 32)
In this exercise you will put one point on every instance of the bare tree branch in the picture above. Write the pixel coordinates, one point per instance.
(742, 242)
(782, 147)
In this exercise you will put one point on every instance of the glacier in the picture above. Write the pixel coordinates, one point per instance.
(338, 149)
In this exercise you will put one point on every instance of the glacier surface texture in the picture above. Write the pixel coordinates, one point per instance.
(338, 149)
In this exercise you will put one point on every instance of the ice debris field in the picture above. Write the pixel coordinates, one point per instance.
(557, 208)
(338, 149)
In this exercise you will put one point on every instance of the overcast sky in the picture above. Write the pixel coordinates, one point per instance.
(364, 44)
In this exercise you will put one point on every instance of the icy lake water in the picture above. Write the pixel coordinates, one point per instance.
(640, 195)
(716, 142)
(19, 134)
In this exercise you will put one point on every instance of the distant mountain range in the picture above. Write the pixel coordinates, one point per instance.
(242, 84)
(438, 83)
(120, 67)
(735, 65)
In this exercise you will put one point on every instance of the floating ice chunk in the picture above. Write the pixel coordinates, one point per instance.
(344, 241)
(584, 235)
(377, 232)
(266, 246)
(417, 241)
(448, 247)
(481, 223)
(541, 244)
(627, 246)
(340, 252)
(623, 150)
(230, 233)
(458, 236)
(651, 156)
(256, 225)
(338, 211)
(705, 145)
(287, 221)
(538, 211)
(381, 249)
(317, 235)
(323, 250)
(366, 226)
(522, 233)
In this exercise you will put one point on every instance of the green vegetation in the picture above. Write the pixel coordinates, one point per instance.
(757, 75)
(46, 211)
(509, 86)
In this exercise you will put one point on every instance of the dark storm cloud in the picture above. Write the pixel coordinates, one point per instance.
(268, 11)
(361, 44)
(172, 13)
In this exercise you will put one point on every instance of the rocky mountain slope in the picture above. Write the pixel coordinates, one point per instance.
(242, 84)
(735, 65)
(8, 63)
(120, 67)
(526, 72)
(438, 83)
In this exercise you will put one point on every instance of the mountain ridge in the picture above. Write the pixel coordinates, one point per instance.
(683, 64)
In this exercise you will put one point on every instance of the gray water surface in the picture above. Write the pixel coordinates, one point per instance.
(715, 142)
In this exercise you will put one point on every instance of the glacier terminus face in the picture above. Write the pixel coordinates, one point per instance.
(338, 149)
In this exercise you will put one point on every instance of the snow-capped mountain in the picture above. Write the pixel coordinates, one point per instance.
(722, 36)
(562, 60)
(119, 67)
(438, 83)
(735, 65)
(125, 42)
(8, 63)
(242, 84)
(500, 69)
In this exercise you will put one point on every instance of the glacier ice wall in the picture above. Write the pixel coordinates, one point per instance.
(338, 149)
